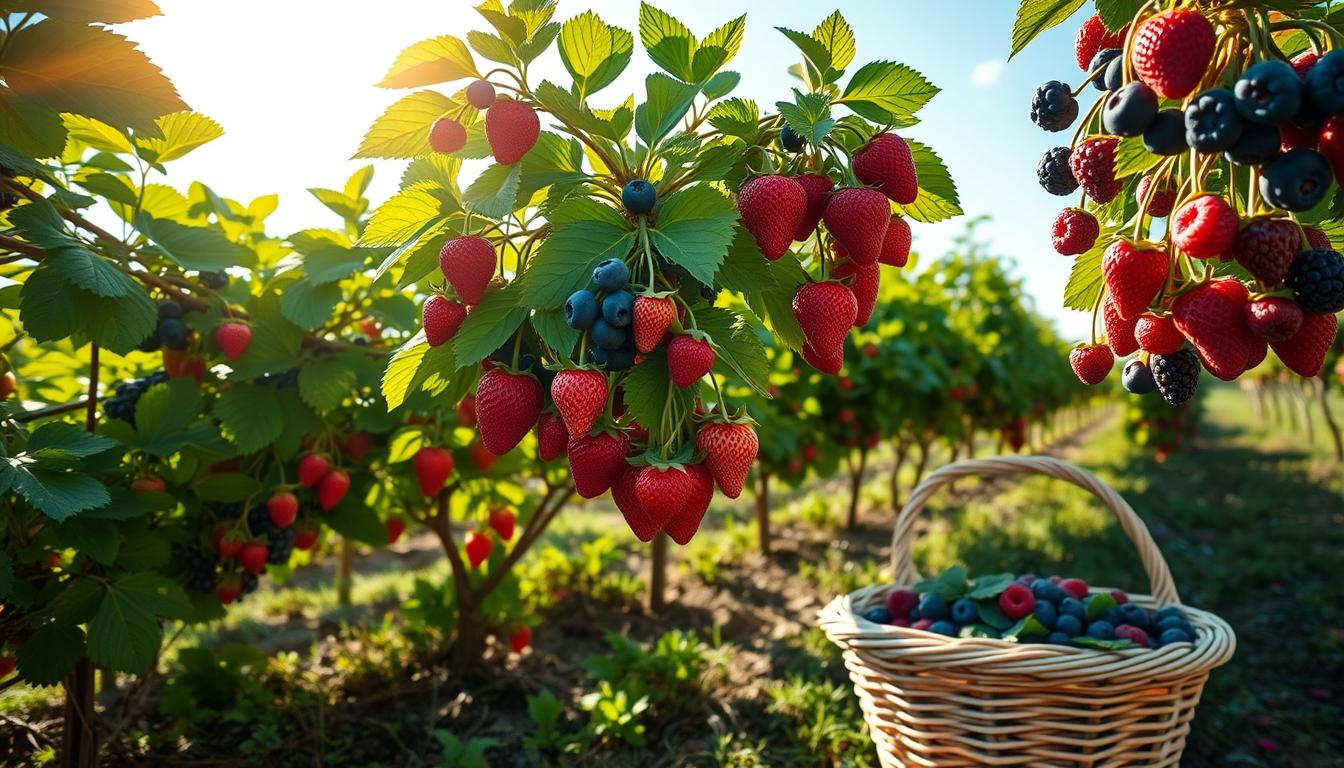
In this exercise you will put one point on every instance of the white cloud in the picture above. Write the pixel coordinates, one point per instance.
(987, 73)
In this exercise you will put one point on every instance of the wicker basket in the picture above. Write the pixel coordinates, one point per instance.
(931, 700)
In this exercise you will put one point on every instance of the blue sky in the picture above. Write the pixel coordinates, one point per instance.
(292, 84)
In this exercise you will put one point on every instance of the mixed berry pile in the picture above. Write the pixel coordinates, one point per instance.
(1212, 149)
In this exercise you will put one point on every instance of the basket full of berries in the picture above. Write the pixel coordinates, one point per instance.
(1003, 670)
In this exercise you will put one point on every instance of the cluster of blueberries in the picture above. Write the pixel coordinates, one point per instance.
(170, 333)
(605, 313)
(121, 405)
(1057, 611)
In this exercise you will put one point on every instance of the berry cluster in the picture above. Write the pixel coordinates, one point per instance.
(127, 394)
(244, 541)
(607, 316)
(1220, 110)
(511, 127)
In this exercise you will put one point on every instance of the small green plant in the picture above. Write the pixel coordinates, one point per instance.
(670, 672)
(546, 712)
(823, 720)
(613, 715)
(462, 754)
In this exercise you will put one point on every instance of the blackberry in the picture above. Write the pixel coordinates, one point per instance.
(127, 394)
(1212, 122)
(198, 567)
(1297, 180)
(1054, 174)
(173, 333)
(1269, 92)
(1166, 134)
(250, 583)
(1317, 280)
(1138, 378)
(1325, 83)
(151, 343)
(790, 140)
(215, 281)
(1053, 106)
(279, 541)
(1103, 57)
(170, 309)
(1258, 145)
(1176, 376)
(1129, 110)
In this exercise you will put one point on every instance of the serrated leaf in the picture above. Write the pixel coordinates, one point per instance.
(403, 130)
(694, 230)
(1085, 285)
(164, 415)
(199, 248)
(325, 382)
(813, 50)
(645, 391)
(738, 347)
(667, 103)
(29, 128)
(551, 327)
(309, 306)
(938, 199)
(669, 43)
(69, 438)
(50, 654)
(96, 538)
(55, 493)
(1131, 157)
(348, 208)
(1036, 16)
(745, 268)
(494, 193)
(720, 85)
(97, 134)
(717, 49)
(887, 92)
(736, 117)
(407, 214)
(125, 635)
(492, 47)
(835, 35)
(584, 232)
(93, 273)
(327, 255)
(52, 309)
(250, 416)
(401, 368)
(439, 59)
(809, 117)
(182, 132)
(1115, 14)
(488, 326)
(594, 53)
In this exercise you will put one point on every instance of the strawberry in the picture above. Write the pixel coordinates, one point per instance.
(253, 557)
(1119, 331)
(447, 135)
(282, 508)
(1093, 37)
(816, 186)
(481, 457)
(772, 209)
(479, 545)
(1267, 247)
(1330, 142)
(442, 317)
(369, 327)
(507, 405)
(148, 484)
(686, 521)
(623, 493)
(1171, 50)
(230, 588)
(552, 437)
(233, 339)
(1304, 352)
(857, 218)
(580, 395)
(305, 536)
(651, 320)
(1317, 238)
(896, 243)
(864, 287)
(1213, 318)
(688, 359)
(1091, 362)
(503, 521)
(826, 311)
(887, 163)
(831, 363)
(1158, 335)
(312, 468)
(9, 384)
(1093, 165)
(1273, 319)
(331, 488)
(468, 263)
(1162, 200)
(511, 128)
(520, 639)
(466, 411)
(228, 543)
(432, 466)
(356, 445)
(1134, 273)
(662, 492)
(395, 526)
(595, 462)
(1205, 227)
(730, 449)
(1075, 231)
(1259, 351)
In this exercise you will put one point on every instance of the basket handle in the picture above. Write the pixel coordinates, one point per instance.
(902, 563)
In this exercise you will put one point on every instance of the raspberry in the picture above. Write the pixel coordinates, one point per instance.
(1075, 231)
(1163, 198)
(1269, 92)
(1053, 106)
(1129, 110)
(1205, 227)
(1093, 37)
(1093, 165)
(1297, 180)
(1055, 174)
(1266, 248)
(1177, 376)
(1158, 334)
(1317, 280)
(1166, 134)
(1212, 122)
(1172, 50)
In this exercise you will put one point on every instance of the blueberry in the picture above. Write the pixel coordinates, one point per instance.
(1053, 106)
(1130, 110)
(581, 310)
(943, 628)
(932, 606)
(790, 140)
(1054, 173)
(1296, 181)
(878, 615)
(597, 355)
(1138, 378)
(1174, 622)
(913, 616)
(173, 333)
(965, 611)
(1134, 615)
(1069, 625)
(1027, 578)
(1101, 630)
(1051, 593)
(1174, 636)
(170, 308)
(606, 335)
(1057, 638)
(638, 196)
(1325, 83)
(1258, 144)
(1212, 122)
(618, 308)
(1045, 613)
(1269, 92)
(1168, 612)
(1102, 57)
(1072, 606)
(151, 343)
(1114, 76)
(1166, 134)
(214, 280)
(621, 358)
(611, 275)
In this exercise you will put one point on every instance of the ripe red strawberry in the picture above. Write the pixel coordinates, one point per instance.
(1134, 273)
(228, 543)
(442, 317)
(447, 135)
(1331, 143)
(305, 536)
(148, 484)
(887, 163)
(1304, 352)
(663, 492)
(896, 243)
(331, 488)
(730, 449)
(1171, 51)
(466, 411)
(503, 521)
(1093, 37)
(1163, 198)
(233, 339)
(830, 364)
(432, 466)
(1316, 238)
(1119, 331)
(816, 186)
(479, 545)
(1273, 319)
(230, 588)
(864, 287)
(1304, 61)
(481, 457)
(312, 468)
(688, 359)
(857, 218)
(772, 209)
(1267, 247)
(1205, 227)
(595, 461)
(826, 311)
(552, 437)
(1091, 362)
(282, 508)
(394, 526)
(641, 524)
(580, 395)
(1213, 318)
(652, 318)
(1158, 335)
(507, 405)
(1075, 231)
(686, 521)
(356, 445)
(253, 557)
(1093, 165)
(369, 327)
(520, 639)
(468, 263)
(511, 128)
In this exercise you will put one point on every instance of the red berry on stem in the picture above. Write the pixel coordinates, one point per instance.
(580, 395)
(772, 209)
(682, 526)
(888, 164)
(395, 526)
(1213, 318)
(1093, 37)
(1091, 362)
(441, 317)
(507, 405)
(252, 557)
(652, 318)
(1304, 352)
(1016, 601)
(552, 437)
(512, 129)
(1158, 335)
(825, 311)
(1093, 165)
(1119, 331)
(478, 547)
(1171, 51)
(896, 243)
(312, 468)
(816, 186)
(857, 219)
(233, 339)
(730, 450)
(468, 263)
(1273, 319)
(595, 462)
(432, 466)
(1075, 231)
(502, 520)
(447, 135)
(282, 508)
(688, 359)
(1134, 273)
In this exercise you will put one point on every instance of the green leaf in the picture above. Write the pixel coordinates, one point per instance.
(887, 92)
(348, 208)
(199, 248)
(736, 117)
(1115, 14)
(720, 85)
(813, 50)
(717, 49)
(250, 416)
(69, 439)
(401, 368)
(594, 53)
(938, 199)
(834, 35)
(694, 229)
(56, 494)
(309, 306)
(50, 654)
(227, 487)
(550, 325)
(1098, 604)
(358, 521)
(325, 382)
(1029, 628)
(554, 161)
(327, 255)
(809, 117)
(52, 310)
(989, 586)
(97, 134)
(584, 232)
(494, 193)
(406, 215)
(93, 273)
(29, 127)
(165, 414)
(668, 101)
(78, 602)
(439, 59)
(96, 538)
(1036, 16)
(646, 390)
(488, 326)
(738, 347)
(1131, 157)
(776, 301)
(423, 259)
(125, 634)
(182, 133)
(492, 47)
(142, 549)
(993, 615)
(744, 267)
(539, 42)
(403, 130)
(1085, 285)
(1101, 645)
(670, 44)
(102, 11)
